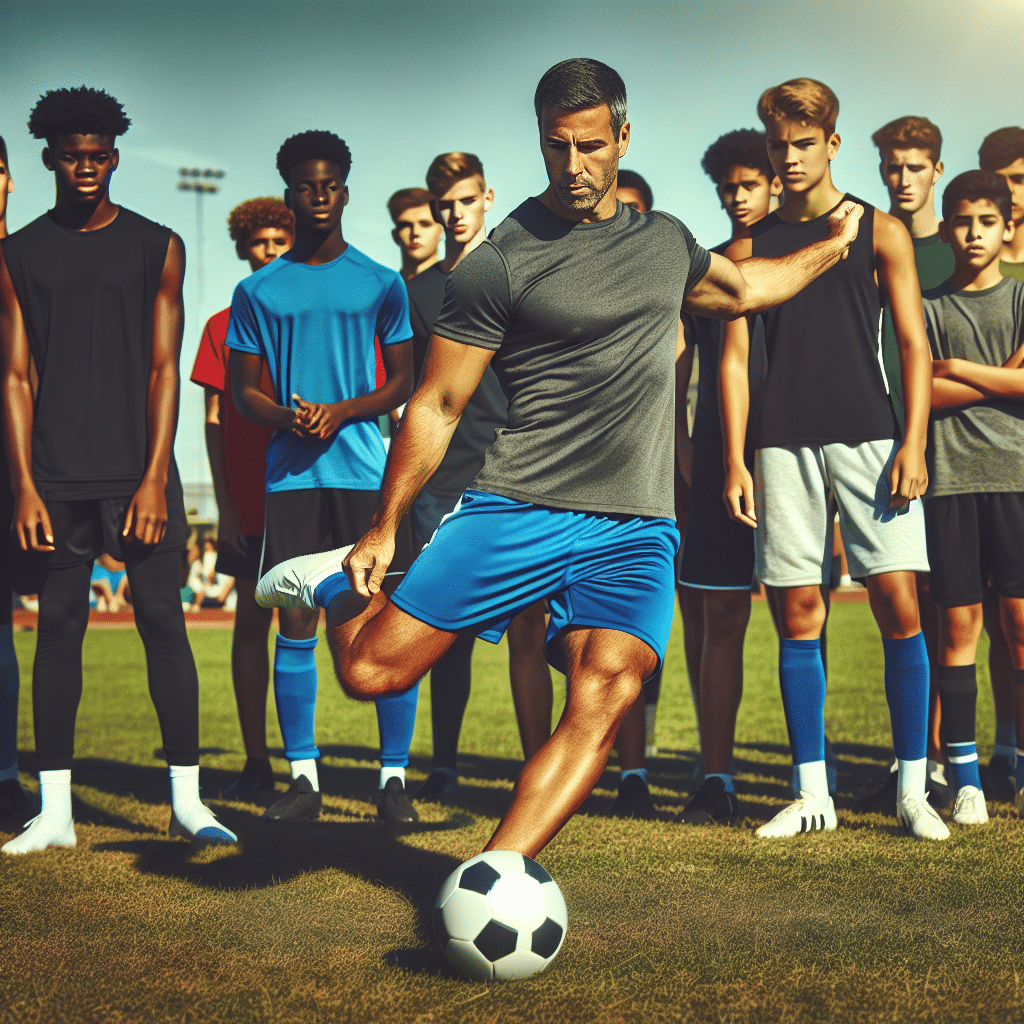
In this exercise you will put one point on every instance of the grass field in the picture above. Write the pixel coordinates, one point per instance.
(329, 921)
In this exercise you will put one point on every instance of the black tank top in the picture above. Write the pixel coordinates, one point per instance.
(87, 298)
(825, 382)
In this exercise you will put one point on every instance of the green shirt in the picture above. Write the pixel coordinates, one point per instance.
(934, 260)
(1015, 270)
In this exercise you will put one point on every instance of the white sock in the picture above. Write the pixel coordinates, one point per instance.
(391, 773)
(190, 811)
(307, 768)
(813, 779)
(53, 825)
(912, 778)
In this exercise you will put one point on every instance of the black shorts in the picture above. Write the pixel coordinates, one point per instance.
(718, 552)
(245, 566)
(309, 521)
(974, 540)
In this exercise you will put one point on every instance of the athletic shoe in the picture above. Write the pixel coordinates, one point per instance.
(301, 801)
(920, 818)
(393, 805)
(438, 787)
(711, 805)
(15, 803)
(999, 780)
(937, 790)
(292, 583)
(970, 808)
(41, 833)
(214, 835)
(633, 800)
(254, 784)
(807, 814)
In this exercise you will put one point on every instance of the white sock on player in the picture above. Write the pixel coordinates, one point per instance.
(912, 778)
(391, 773)
(812, 777)
(307, 768)
(191, 813)
(53, 825)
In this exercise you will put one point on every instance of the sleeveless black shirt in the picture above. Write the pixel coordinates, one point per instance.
(825, 381)
(87, 298)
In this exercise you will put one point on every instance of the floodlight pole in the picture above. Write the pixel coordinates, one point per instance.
(201, 181)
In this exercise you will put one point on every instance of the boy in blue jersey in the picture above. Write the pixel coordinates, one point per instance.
(312, 315)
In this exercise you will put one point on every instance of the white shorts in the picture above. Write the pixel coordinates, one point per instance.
(798, 488)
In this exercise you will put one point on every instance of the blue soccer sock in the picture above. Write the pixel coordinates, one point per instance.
(1006, 740)
(730, 786)
(906, 692)
(958, 690)
(802, 679)
(396, 718)
(9, 683)
(327, 590)
(641, 773)
(295, 694)
(963, 760)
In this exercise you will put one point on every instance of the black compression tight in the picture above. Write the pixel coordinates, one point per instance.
(57, 675)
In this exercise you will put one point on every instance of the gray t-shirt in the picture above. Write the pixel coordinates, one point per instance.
(976, 448)
(582, 318)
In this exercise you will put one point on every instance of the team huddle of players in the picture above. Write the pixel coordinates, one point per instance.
(531, 486)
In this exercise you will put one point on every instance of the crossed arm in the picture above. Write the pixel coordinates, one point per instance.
(957, 382)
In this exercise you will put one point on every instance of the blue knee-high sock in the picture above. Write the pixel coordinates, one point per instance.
(335, 584)
(8, 704)
(802, 677)
(396, 716)
(906, 693)
(295, 694)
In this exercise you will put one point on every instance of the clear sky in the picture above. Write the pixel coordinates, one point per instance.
(222, 84)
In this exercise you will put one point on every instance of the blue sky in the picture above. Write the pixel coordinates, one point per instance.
(222, 84)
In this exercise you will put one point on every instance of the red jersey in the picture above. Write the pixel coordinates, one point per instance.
(245, 442)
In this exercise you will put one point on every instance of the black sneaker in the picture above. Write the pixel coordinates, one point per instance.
(393, 804)
(633, 800)
(711, 805)
(254, 784)
(301, 801)
(438, 787)
(15, 803)
(999, 780)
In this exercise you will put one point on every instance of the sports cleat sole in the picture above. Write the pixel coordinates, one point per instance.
(800, 817)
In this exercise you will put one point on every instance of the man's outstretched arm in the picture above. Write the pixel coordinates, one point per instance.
(729, 290)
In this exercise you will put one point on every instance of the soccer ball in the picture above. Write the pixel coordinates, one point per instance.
(498, 916)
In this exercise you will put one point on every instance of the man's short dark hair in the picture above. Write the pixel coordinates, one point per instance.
(255, 214)
(314, 146)
(1000, 149)
(581, 83)
(79, 111)
(408, 199)
(630, 179)
(972, 186)
(3, 153)
(909, 132)
(745, 147)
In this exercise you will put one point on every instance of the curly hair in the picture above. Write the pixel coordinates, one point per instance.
(1001, 148)
(745, 147)
(313, 146)
(910, 133)
(81, 111)
(800, 99)
(253, 214)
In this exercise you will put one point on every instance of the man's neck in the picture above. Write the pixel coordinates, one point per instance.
(921, 223)
(1013, 251)
(971, 281)
(454, 253)
(811, 204)
(605, 209)
(315, 249)
(79, 217)
(410, 269)
(3, 227)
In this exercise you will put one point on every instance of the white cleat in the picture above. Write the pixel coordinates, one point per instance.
(808, 814)
(970, 808)
(293, 583)
(41, 833)
(920, 818)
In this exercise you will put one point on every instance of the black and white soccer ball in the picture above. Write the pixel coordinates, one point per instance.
(498, 916)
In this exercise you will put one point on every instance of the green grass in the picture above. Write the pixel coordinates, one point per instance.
(329, 921)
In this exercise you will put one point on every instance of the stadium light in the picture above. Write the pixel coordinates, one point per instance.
(201, 181)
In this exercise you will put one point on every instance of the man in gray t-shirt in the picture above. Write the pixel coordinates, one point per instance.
(575, 302)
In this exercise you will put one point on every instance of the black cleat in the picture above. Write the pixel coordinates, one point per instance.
(711, 805)
(301, 801)
(255, 783)
(393, 805)
(633, 800)
(15, 803)
(998, 779)
(438, 787)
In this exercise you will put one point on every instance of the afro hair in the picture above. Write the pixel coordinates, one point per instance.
(745, 147)
(254, 214)
(81, 111)
(313, 146)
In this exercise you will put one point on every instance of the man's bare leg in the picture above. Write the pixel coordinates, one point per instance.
(606, 668)
(530, 677)
(721, 675)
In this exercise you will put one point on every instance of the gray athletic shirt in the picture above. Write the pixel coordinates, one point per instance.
(976, 448)
(582, 318)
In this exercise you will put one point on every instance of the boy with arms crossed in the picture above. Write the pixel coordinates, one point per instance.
(262, 229)
(827, 433)
(975, 505)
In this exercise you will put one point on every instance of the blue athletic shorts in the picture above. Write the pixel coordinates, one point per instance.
(494, 556)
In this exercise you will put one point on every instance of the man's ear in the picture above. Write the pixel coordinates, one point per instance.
(47, 162)
(288, 198)
(943, 233)
(623, 140)
(937, 173)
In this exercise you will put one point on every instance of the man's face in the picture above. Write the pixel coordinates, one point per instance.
(746, 194)
(6, 187)
(265, 245)
(581, 154)
(976, 233)
(417, 233)
(463, 206)
(83, 165)
(631, 197)
(800, 153)
(317, 195)
(909, 175)
(1014, 175)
